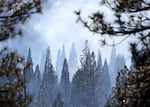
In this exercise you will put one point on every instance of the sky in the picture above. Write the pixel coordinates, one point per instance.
(57, 26)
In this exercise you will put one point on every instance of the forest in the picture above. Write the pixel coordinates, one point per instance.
(56, 88)
(84, 81)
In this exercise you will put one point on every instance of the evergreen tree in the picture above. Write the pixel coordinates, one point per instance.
(98, 81)
(65, 84)
(106, 76)
(58, 102)
(37, 80)
(35, 86)
(99, 62)
(83, 84)
(119, 65)
(106, 83)
(12, 85)
(132, 88)
(42, 63)
(73, 63)
(28, 72)
(136, 24)
(119, 91)
(112, 64)
(49, 84)
(63, 56)
(58, 63)
(13, 13)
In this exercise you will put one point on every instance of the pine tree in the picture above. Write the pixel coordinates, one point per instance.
(28, 72)
(58, 102)
(73, 63)
(75, 98)
(65, 84)
(106, 83)
(49, 84)
(58, 63)
(99, 62)
(63, 56)
(98, 81)
(83, 84)
(112, 64)
(118, 98)
(13, 13)
(12, 85)
(119, 65)
(135, 24)
(42, 63)
(37, 80)
(132, 88)
(35, 84)
(105, 73)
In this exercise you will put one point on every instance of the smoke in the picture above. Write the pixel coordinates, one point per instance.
(57, 26)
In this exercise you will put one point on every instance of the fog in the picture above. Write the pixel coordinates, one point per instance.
(57, 26)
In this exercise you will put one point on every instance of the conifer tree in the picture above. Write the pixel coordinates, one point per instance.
(12, 85)
(42, 63)
(112, 64)
(58, 63)
(119, 65)
(28, 72)
(37, 80)
(99, 61)
(98, 81)
(58, 102)
(13, 13)
(83, 84)
(73, 62)
(65, 84)
(75, 98)
(106, 83)
(63, 56)
(35, 86)
(49, 84)
(130, 19)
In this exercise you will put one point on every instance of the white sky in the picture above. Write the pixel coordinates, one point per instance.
(57, 26)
